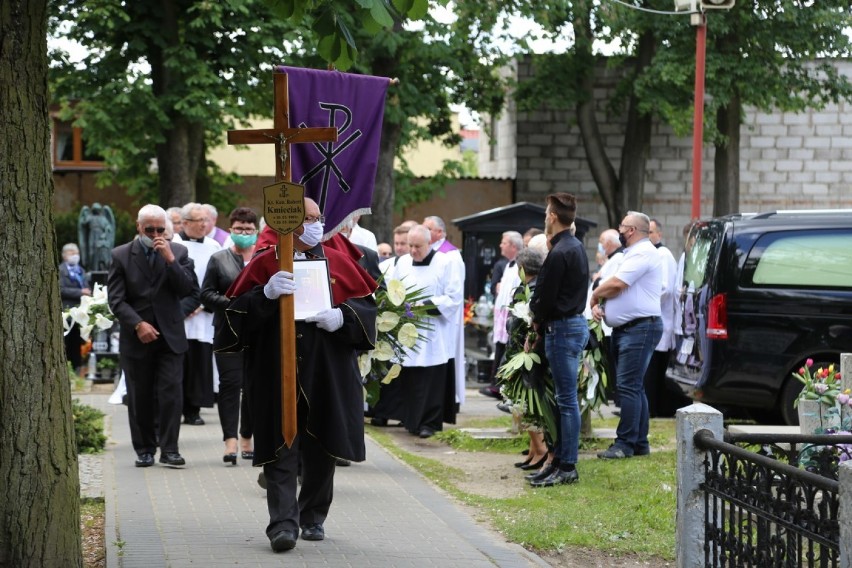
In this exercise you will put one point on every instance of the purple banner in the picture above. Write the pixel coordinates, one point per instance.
(340, 175)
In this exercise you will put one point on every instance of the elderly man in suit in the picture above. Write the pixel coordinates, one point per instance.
(147, 279)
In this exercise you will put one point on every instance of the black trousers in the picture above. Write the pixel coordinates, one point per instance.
(424, 390)
(287, 511)
(198, 377)
(154, 398)
(72, 347)
(233, 409)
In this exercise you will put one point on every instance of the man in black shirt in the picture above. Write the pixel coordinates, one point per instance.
(557, 306)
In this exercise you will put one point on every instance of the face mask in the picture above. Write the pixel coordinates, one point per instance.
(601, 249)
(312, 235)
(146, 240)
(73, 260)
(622, 239)
(244, 241)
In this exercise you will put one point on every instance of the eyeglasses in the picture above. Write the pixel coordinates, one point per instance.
(626, 227)
(243, 231)
(311, 219)
(151, 230)
(195, 220)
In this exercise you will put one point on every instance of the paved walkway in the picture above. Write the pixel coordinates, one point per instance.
(209, 514)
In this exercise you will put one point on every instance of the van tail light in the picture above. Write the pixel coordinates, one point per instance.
(717, 317)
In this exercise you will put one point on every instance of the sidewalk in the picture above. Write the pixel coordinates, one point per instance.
(210, 514)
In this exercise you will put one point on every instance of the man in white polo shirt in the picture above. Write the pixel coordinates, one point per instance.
(629, 302)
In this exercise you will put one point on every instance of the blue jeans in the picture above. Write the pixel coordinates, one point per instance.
(564, 341)
(632, 349)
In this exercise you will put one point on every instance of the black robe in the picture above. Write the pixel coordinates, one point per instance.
(329, 391)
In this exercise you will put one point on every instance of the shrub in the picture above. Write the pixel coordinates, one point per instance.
(88, 428)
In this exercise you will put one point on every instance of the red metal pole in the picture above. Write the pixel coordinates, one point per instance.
(698, 116)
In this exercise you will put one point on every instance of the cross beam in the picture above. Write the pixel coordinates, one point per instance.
(282, 136)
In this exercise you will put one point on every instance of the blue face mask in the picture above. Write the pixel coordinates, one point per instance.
(243, 241)
(312, 235)
(601, 249)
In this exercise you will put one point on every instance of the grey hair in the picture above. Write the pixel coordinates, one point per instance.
(515, 239)
(69, 247)
(531, 259)
(438, 221)
(186, 210)
(150, 211)
(611, 236)
(642, 220)
(211, 210)
(422, 231)
(171, 210)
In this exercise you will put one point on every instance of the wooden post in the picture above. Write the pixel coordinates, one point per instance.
(282, 136)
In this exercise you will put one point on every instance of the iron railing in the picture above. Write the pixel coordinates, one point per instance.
(762, 512)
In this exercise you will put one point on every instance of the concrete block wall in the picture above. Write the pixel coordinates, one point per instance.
(788, 160)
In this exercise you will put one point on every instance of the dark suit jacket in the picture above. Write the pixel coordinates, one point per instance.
(138, 292)
(69, 289)
(369, 261)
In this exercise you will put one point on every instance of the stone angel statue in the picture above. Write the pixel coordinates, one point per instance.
(96, 230)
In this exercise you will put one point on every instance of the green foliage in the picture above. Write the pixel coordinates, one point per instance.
(105, 363)
(88, 428)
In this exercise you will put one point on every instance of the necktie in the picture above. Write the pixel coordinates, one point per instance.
(152, 256)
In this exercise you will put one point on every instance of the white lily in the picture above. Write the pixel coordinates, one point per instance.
(85, 332)
(521, 310)
(386, 321)
(383, 351)
(408, 335)
(393, 373)
(396, 292)
(364, 363)
(102, 322)
(99, 294)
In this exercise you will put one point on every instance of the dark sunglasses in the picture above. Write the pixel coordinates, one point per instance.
(150, 230)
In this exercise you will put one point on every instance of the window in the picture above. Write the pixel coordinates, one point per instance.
(808, 258)
(69, 148)
(700, 248)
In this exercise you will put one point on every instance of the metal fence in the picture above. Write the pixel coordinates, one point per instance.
(773, 503)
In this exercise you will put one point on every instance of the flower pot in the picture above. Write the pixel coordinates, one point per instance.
(816, 417)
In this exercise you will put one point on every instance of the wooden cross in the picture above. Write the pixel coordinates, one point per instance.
(282, 136)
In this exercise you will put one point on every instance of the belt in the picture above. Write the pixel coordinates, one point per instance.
(634, 322)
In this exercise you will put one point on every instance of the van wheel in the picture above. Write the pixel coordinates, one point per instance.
(789, 393)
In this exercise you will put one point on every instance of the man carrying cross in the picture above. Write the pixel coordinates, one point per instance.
(330, 396)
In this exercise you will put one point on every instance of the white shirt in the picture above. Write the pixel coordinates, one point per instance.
(440, 282)
(667, 299)
(508, 282)
(364, 237)
(641, 270)
(200, 326)
(607, 270)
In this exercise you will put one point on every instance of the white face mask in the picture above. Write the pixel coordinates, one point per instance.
(146, 240)
(73, 260)
(312, 235)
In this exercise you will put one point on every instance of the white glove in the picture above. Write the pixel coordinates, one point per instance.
(281, 283)
(329, 320)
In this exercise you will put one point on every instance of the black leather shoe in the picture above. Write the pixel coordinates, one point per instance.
(172, 458)
(247, 455)
(283, 540)
(145, 460)
(426, 433)
(536, 465)
(193, 420)
(558, 477)
(491, 391)
(313, 532)
(550, 468)
(376, 421)
(342, 462)
(230, 458)
(261, 480)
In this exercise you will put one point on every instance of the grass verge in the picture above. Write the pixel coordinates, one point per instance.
(622, 506)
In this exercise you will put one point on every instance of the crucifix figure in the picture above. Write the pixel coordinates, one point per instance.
(282, 136)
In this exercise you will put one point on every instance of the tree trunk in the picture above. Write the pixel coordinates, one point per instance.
(726, 162)
(381, 221)
(637, 142)
(177, 159)
(599, 164)
(40, 516)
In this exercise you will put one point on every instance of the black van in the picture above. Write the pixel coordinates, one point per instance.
(760, 295)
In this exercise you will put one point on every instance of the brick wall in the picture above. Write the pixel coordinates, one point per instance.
(787, 160)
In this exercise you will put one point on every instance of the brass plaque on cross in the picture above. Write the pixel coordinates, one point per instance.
(284, 206)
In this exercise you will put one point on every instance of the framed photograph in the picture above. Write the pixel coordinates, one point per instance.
(313, 287)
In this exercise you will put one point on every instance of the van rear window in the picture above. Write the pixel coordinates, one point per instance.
(700, 250)
(808, 258)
